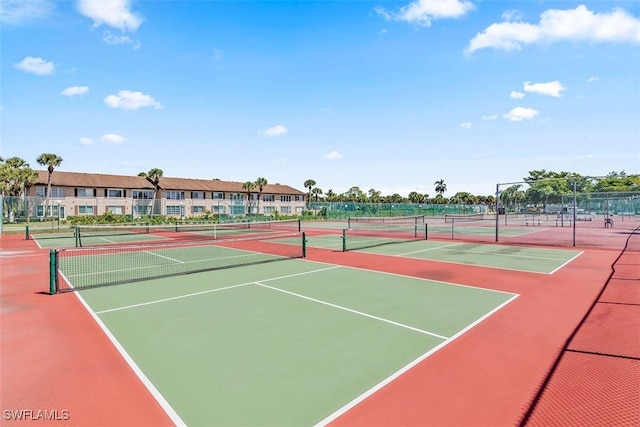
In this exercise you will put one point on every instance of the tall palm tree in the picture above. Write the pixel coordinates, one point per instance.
(441, 187)
(153, 176)
(260, 183)
(309, 185)
(248, 186)
(317, 192)
(51, 161)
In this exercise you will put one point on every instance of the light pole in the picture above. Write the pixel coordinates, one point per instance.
(58, 202)
(181, 212)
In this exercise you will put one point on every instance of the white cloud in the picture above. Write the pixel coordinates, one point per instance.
(593, 79)
(128, 100)
(551, 88)
(512, 15)
(516, 95)
(114, 40)
(466, 125)
(423, 12)
(519, 114)
(490, 117)
(113, 13)
(19, 11)
(274, 131)
(75, 90)
(112, 138)
(86, 141)
(333, 155)
(37, 66)
(579, 24)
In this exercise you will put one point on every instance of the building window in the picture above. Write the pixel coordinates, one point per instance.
(197, 194)
(174, 210)
(115, 193)
(142, 210)
(142, 194)
(85, 210)
(175, 195)
(285, 198)
(217, 209)
(53, 210)
(268, 210)
(118, 210)
(55, 192)
(299, 198)
(268, 198)
(218, 196)
(285, 209)
(85, 192)
(236, 196)
(197, 209)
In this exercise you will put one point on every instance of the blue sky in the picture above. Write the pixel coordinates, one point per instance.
(389, 95)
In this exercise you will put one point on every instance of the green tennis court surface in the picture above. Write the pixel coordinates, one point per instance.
(288, 343)
(518, 258)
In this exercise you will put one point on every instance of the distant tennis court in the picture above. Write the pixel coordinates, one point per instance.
(517, 258)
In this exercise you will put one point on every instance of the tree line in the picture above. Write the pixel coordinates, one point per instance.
(539, 188)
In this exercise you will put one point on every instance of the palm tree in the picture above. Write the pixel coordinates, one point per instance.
(441, 187)
(248, 186)
(51, 161)
(16, 177)
(309, 185)
(153, 176)
(317, 192)
(260, 183)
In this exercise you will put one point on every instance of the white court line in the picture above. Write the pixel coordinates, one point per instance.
(164, 404)
(406, 368)
(430, 249)
(360, 313)
(165, 257)
(211, 290)
(568, 261)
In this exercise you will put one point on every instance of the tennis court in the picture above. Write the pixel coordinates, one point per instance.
(334, 336)
(101, 235)
(516, 258)
(295, 341)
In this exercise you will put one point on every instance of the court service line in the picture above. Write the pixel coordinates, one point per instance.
(208, 291)
(567, 262)
(332, 417)
(430, 249)
(360, 313)
(166, 257)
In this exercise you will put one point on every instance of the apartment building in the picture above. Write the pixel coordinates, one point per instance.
(75, 193)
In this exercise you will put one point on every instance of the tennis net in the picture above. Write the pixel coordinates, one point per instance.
(353, 222)
(367, 235)
(87, 235)
(450, 218)
(81, 268)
